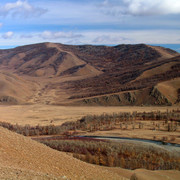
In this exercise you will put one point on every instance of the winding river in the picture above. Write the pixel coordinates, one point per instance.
(132, 139)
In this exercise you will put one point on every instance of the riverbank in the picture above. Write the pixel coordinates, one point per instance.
(111, 138)
(165, 136)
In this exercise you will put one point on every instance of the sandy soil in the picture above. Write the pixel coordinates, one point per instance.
(48, 114)
(21, 154)
(143, 174)
(9, 173)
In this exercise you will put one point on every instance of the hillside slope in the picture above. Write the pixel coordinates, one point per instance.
(50, 73)
(23, 158)
(25, 155)
(46, 59)
(14, 89)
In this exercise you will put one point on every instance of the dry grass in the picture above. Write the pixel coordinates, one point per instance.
(169, 89)
(57, 115)
(164, 53)
(46, 114)
(155, 71)
(15, 86)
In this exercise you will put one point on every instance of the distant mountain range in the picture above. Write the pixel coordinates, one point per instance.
(51, 73)
(175, 47)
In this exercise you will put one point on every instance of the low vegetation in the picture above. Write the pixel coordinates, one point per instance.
(168, 121)
(114, 154)
(164, 121)
(101, 152)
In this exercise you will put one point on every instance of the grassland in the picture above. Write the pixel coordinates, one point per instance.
(45, 115)
(56, 115)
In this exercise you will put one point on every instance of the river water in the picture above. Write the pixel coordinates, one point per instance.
(133, 139)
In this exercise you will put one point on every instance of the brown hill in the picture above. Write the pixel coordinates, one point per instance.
(25, 156)
(45, 60)
(14, 89)
(52, 73)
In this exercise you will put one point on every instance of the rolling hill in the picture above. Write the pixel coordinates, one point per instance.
(50, 73)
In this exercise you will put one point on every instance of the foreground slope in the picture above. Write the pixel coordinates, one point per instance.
(50, 73)
(23, 158)
(27, 156)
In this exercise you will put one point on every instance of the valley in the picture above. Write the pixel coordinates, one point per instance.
(57, 74)
(54, 94)
(56, 115)
(89, 90)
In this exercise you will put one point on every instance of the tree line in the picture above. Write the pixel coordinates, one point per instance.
(114, 154)
(170, 121)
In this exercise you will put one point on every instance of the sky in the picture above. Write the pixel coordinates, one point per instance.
(98, 22)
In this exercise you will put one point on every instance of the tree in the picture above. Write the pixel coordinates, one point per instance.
(110, 160)
(89, 158)
(122, 162)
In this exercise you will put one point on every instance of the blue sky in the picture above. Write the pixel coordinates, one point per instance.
(89, 22)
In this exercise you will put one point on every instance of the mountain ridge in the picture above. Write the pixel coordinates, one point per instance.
(67, 74)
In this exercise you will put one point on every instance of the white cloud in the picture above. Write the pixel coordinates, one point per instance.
(110, 39)
(57, 35)
(74, 41)
(100, 37)
(8, 35)
(1, 25)
(141, 7)
(21, 8)
(26, 36)
(132, 37)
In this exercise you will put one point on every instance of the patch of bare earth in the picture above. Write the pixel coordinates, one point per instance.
(9, 173)
(142, 174)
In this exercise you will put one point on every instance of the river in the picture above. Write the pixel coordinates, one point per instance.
(133, 139)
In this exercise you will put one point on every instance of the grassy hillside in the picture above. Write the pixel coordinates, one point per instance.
(50, 73)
